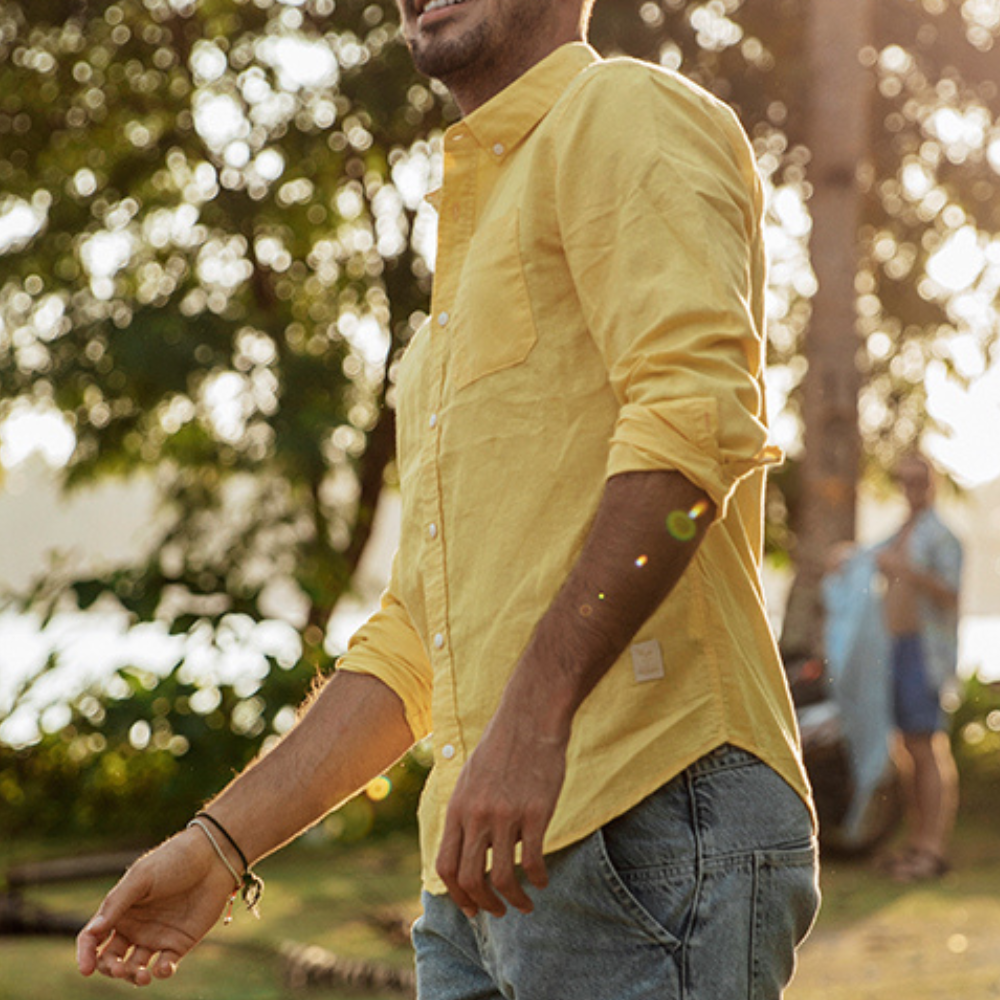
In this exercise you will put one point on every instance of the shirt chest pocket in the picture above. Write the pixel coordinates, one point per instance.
(494, 328)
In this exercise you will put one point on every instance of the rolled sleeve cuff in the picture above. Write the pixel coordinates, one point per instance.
(683, 435)
(388, 648)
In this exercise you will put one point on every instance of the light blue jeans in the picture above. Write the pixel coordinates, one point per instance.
(701, 892)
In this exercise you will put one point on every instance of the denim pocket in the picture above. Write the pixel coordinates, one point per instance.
(659, 901)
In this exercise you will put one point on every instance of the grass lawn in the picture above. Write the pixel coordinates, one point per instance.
(875, 940)
(340, 898)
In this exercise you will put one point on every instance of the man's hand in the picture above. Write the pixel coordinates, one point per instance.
(163, 906)
(506, 794)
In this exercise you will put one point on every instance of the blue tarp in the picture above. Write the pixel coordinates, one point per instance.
(857, 663)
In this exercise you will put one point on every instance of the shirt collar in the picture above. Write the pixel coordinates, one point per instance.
(502, 122)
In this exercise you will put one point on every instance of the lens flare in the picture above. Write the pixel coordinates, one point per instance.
(641, 561)
(681, 523)
(378, 789)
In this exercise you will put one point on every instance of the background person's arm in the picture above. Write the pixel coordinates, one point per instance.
(895, 563)
(938, 590)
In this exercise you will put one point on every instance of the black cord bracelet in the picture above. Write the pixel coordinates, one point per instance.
(225, 833)
(251, 884)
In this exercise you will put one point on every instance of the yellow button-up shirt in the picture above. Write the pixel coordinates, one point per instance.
(597, 309)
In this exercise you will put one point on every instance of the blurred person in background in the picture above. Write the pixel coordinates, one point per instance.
(921, 565)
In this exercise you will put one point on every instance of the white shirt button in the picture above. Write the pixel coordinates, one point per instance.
(433, 421)
(443, 319)
(447, 751)
(432, 530)
(439, 641)
(499, 149)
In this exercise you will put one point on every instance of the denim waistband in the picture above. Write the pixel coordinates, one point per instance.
(722, 758)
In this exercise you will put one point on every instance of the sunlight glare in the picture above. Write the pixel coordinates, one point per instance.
(29, 430)
(971, 417)
(19, 222)
(959, 261)
(301, 64)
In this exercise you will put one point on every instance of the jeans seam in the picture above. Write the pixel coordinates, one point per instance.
(699, 875)
(787, 854)
(754, 927)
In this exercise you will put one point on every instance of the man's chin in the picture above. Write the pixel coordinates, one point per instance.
(437, 55)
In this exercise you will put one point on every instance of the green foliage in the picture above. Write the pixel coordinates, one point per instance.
(219, 275)
(219, 254)
(140, 754)
(220, 272)
(975, 738)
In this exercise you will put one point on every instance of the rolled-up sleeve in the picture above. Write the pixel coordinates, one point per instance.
(666, 256)
(389, 648)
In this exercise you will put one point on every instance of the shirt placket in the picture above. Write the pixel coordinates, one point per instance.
(456, 220)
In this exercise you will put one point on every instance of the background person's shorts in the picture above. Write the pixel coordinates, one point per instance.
(916, 701)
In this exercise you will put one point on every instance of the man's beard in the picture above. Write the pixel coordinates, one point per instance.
(448, 60)
(488, 44)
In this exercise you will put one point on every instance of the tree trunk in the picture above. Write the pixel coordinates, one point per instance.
(309, 966)
(840, 105)
(20, 917)
(70, 869)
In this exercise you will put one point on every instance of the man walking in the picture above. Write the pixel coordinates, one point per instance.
(617, 808)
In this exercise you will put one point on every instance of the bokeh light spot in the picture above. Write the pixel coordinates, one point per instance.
(378, 789)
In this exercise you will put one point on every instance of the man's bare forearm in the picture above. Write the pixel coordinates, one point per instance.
(170, 898)
(640, 544)
(353, 731)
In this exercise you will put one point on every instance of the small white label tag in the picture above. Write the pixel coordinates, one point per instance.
(647, 661)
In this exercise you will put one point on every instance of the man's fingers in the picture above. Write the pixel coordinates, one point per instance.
(111, 956)
(462, 867)
(166, 965)
(448, 864)
(503, 874)
(136, 966)
(97, 945)
(88, 942)
(475, 884)
(473, 879)
(533, 860)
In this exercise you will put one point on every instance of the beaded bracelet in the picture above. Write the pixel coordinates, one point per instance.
(250, 885)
